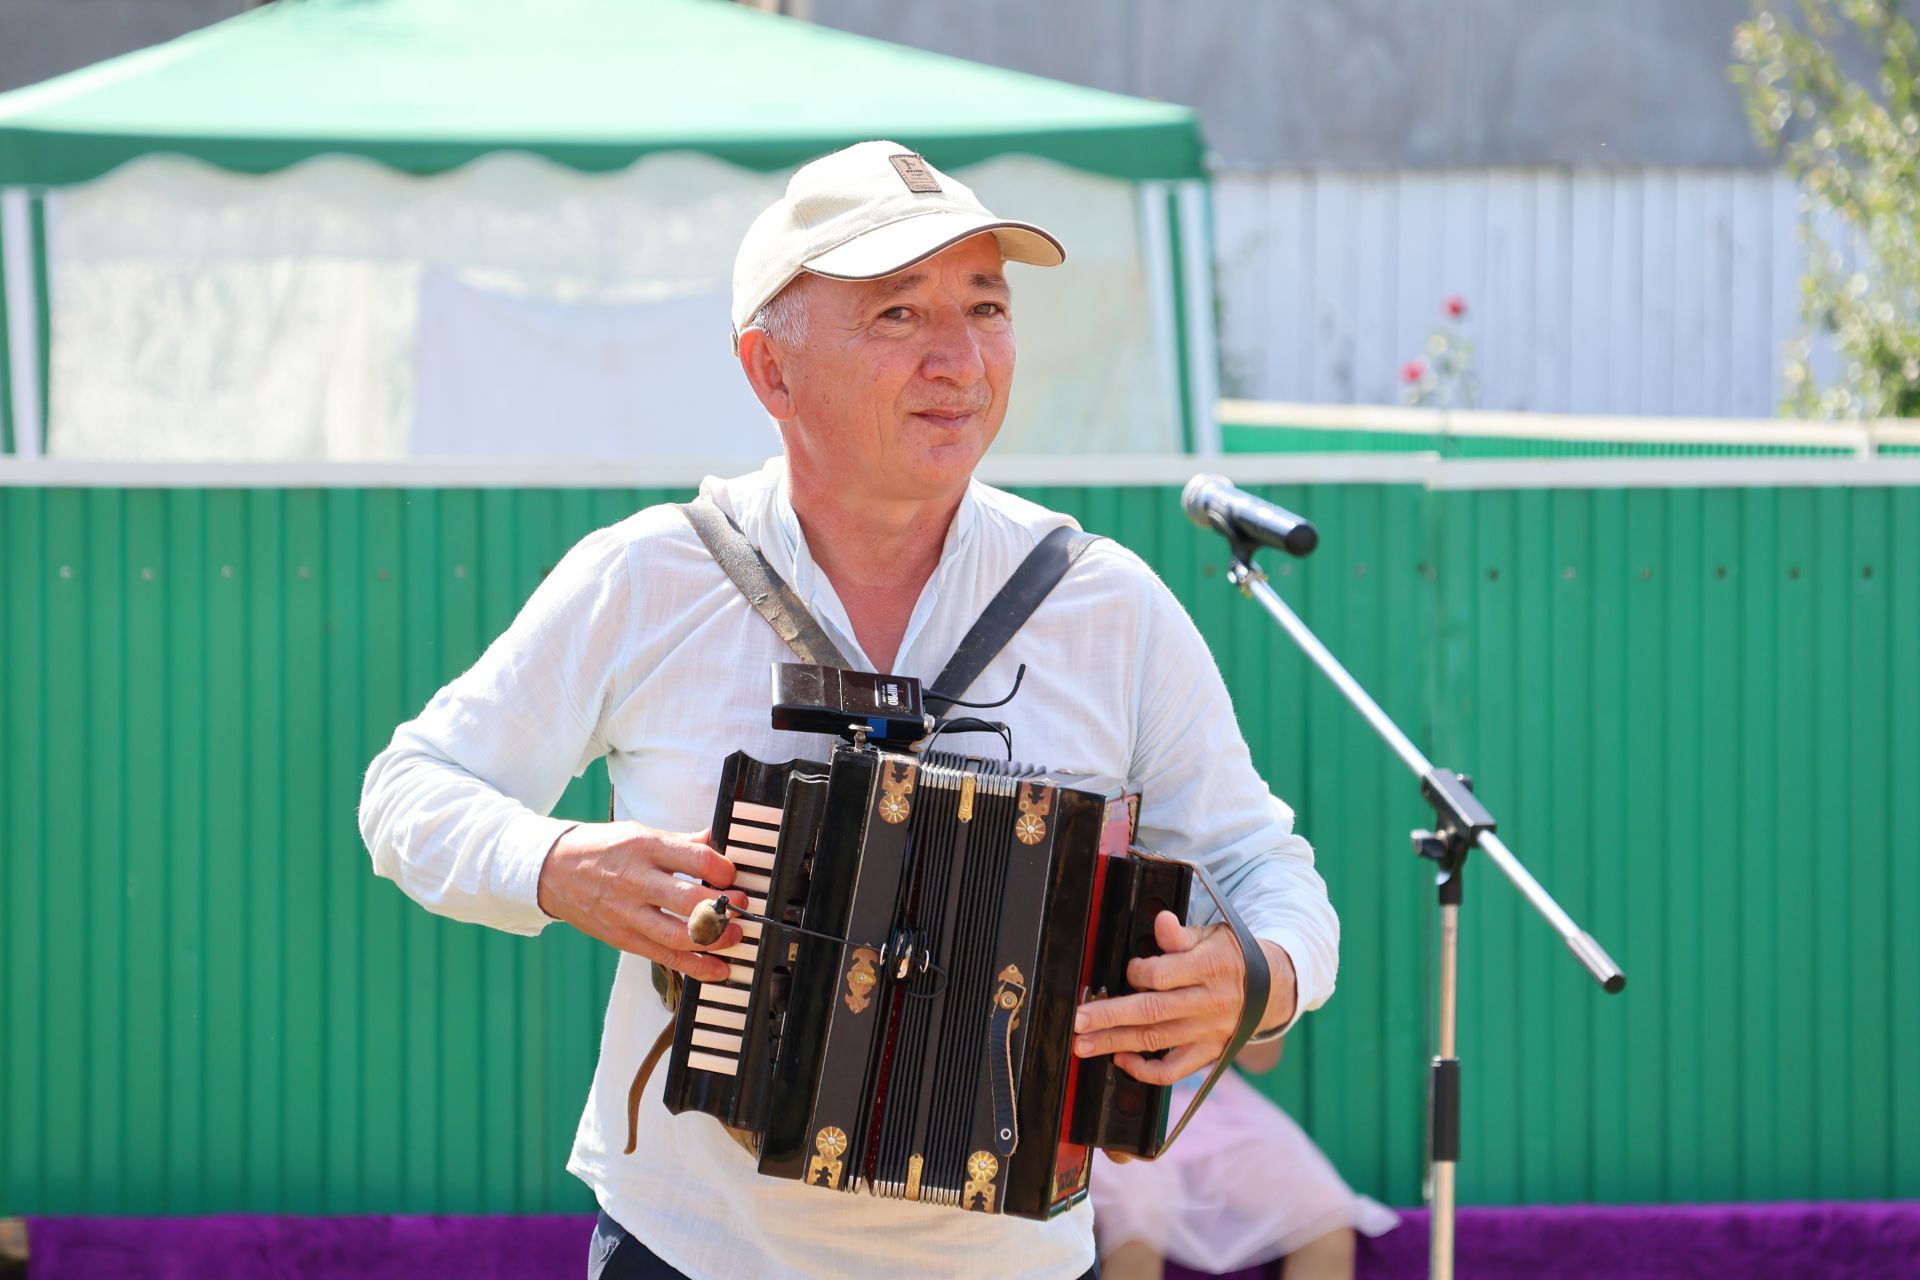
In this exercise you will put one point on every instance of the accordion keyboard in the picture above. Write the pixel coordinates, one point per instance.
(720, 1010)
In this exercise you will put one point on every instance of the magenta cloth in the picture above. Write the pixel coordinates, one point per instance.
(1818, 1241)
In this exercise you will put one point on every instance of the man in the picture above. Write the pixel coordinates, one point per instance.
(873, 319)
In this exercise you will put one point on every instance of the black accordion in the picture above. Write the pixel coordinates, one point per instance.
(910, 1034)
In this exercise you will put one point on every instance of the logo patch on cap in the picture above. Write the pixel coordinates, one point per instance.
(914, 172)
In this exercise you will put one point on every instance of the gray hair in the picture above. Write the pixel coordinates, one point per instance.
(784, 316)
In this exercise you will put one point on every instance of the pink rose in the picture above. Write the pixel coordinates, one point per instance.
(1456, 306)
(1412, 371)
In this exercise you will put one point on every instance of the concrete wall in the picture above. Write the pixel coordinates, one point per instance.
(1378, 83)
(40, 39)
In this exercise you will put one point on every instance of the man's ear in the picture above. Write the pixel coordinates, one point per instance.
(765, 367)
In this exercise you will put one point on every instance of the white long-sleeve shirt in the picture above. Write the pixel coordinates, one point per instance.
(638, 648)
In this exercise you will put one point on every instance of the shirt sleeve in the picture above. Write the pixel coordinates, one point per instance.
(1202, 801)
(455, 810)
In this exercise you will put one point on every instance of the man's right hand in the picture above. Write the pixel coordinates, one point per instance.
(616, 881)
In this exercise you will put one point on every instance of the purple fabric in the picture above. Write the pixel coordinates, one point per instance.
(232, 1246)
(1820, 1241)
(1833, 1240)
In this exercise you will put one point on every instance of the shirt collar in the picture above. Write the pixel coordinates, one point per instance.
(811, 584)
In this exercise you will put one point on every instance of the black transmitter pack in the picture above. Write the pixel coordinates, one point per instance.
(815, 699)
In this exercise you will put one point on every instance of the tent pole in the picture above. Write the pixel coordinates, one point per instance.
(23, 318)
(1157, 250)
(1203, 362)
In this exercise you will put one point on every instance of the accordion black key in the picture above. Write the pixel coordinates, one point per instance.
(909, 1035)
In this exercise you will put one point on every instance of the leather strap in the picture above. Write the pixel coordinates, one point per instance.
(1253, 992)
(639, 1085)
(764, 589)
(748, 1140)
(1008, 611)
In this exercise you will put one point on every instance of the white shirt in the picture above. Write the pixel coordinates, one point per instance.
(639, 649)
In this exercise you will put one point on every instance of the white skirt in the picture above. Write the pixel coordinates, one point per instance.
(1243, 1185)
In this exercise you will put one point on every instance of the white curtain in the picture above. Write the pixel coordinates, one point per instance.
(512, 309)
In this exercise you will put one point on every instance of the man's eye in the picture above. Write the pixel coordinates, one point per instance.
(895, 313)
(990, 309)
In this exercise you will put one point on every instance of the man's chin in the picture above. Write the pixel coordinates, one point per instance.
(941, 468)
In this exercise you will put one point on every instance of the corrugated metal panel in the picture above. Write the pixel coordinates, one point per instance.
(1624, 291)
(1690, 708)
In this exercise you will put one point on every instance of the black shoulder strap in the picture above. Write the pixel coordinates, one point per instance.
(1007, 612)
(764, 589)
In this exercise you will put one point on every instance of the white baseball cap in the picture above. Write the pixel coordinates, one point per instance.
(864, 212)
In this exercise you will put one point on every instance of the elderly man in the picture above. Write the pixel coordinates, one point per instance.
(873, 318)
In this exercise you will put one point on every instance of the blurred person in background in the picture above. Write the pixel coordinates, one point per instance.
(1243, 1186)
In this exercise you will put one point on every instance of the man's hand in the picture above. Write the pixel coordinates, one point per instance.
(1186, 1001)
(615, 881)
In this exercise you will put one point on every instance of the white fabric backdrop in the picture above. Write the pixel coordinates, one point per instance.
(511, 309)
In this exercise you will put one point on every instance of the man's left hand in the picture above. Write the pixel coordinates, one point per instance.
(1185, 1001)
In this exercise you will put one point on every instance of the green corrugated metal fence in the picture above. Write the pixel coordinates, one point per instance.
(1694, 710)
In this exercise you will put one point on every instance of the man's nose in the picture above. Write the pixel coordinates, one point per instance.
(953, 350)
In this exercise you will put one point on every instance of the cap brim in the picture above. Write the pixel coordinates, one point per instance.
(898, 245)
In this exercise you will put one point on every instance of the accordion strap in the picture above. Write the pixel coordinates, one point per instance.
(1008, 611)
(764, 589)
(1253, 998)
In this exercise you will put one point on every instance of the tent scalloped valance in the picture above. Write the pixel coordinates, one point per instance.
(424, 86)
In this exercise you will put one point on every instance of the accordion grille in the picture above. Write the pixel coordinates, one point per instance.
(936, 1069)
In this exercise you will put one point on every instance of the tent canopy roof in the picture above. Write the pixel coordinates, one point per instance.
(426, 85)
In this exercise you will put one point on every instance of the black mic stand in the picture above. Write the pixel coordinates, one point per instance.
(1461, 823)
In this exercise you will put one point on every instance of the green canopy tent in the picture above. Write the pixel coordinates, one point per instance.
(174, 172)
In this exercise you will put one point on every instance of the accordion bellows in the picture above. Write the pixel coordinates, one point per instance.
(914, 1040)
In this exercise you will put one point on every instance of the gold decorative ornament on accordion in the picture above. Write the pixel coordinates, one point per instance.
(861, 978)
(982, 1169)
(896, 781)
(828, 1146)
(1030, 827)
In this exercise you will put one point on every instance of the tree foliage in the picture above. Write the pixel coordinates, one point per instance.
(1854, 148)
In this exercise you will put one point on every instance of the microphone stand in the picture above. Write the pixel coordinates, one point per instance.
(1461, 823)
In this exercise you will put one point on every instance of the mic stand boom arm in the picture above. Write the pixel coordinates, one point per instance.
(1461, 823)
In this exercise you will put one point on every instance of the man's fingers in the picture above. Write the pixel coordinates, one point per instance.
(682, 896)
(669, 932)
(1144, 1007)
(1213, 958)
(660, 938)
(1149, 1037)
(1171, 935)
(677, 853)
(1178, 1065)
(699, 967)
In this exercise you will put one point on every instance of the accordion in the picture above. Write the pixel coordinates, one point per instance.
(905, 1030)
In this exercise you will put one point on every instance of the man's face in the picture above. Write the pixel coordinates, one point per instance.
(902, 382)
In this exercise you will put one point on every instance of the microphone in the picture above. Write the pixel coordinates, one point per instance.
(1212, 502)
(707, 922)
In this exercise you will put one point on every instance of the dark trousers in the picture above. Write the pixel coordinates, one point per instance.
(615, 1255)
